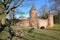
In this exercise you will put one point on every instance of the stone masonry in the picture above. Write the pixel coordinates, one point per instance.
(33, 17)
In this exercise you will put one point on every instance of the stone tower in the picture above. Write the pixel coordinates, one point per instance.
(33, 17)
(50, 20)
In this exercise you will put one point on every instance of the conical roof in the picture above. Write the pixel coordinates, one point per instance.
(33, 8)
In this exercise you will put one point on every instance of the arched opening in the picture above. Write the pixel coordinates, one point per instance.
(42, 27)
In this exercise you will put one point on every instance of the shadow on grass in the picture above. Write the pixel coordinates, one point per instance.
(2, 27)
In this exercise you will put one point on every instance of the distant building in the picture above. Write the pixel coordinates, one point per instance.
(22, 18)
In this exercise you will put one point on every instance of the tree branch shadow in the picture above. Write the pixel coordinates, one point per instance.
(2, 27)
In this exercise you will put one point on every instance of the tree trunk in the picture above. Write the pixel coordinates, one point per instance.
(3, 15)
(3, 18)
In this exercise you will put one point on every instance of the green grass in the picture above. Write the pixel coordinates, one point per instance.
(56, 26)
(37, 34)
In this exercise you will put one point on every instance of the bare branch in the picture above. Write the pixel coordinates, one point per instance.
(15, 6)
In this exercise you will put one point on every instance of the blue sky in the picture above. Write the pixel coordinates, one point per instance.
(27, 6)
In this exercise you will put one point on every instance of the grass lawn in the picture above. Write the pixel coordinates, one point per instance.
(37, 34)
(56, 26)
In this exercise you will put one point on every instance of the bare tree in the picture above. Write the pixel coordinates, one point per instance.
(55, 5)
(44, 10)
(5, 7)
